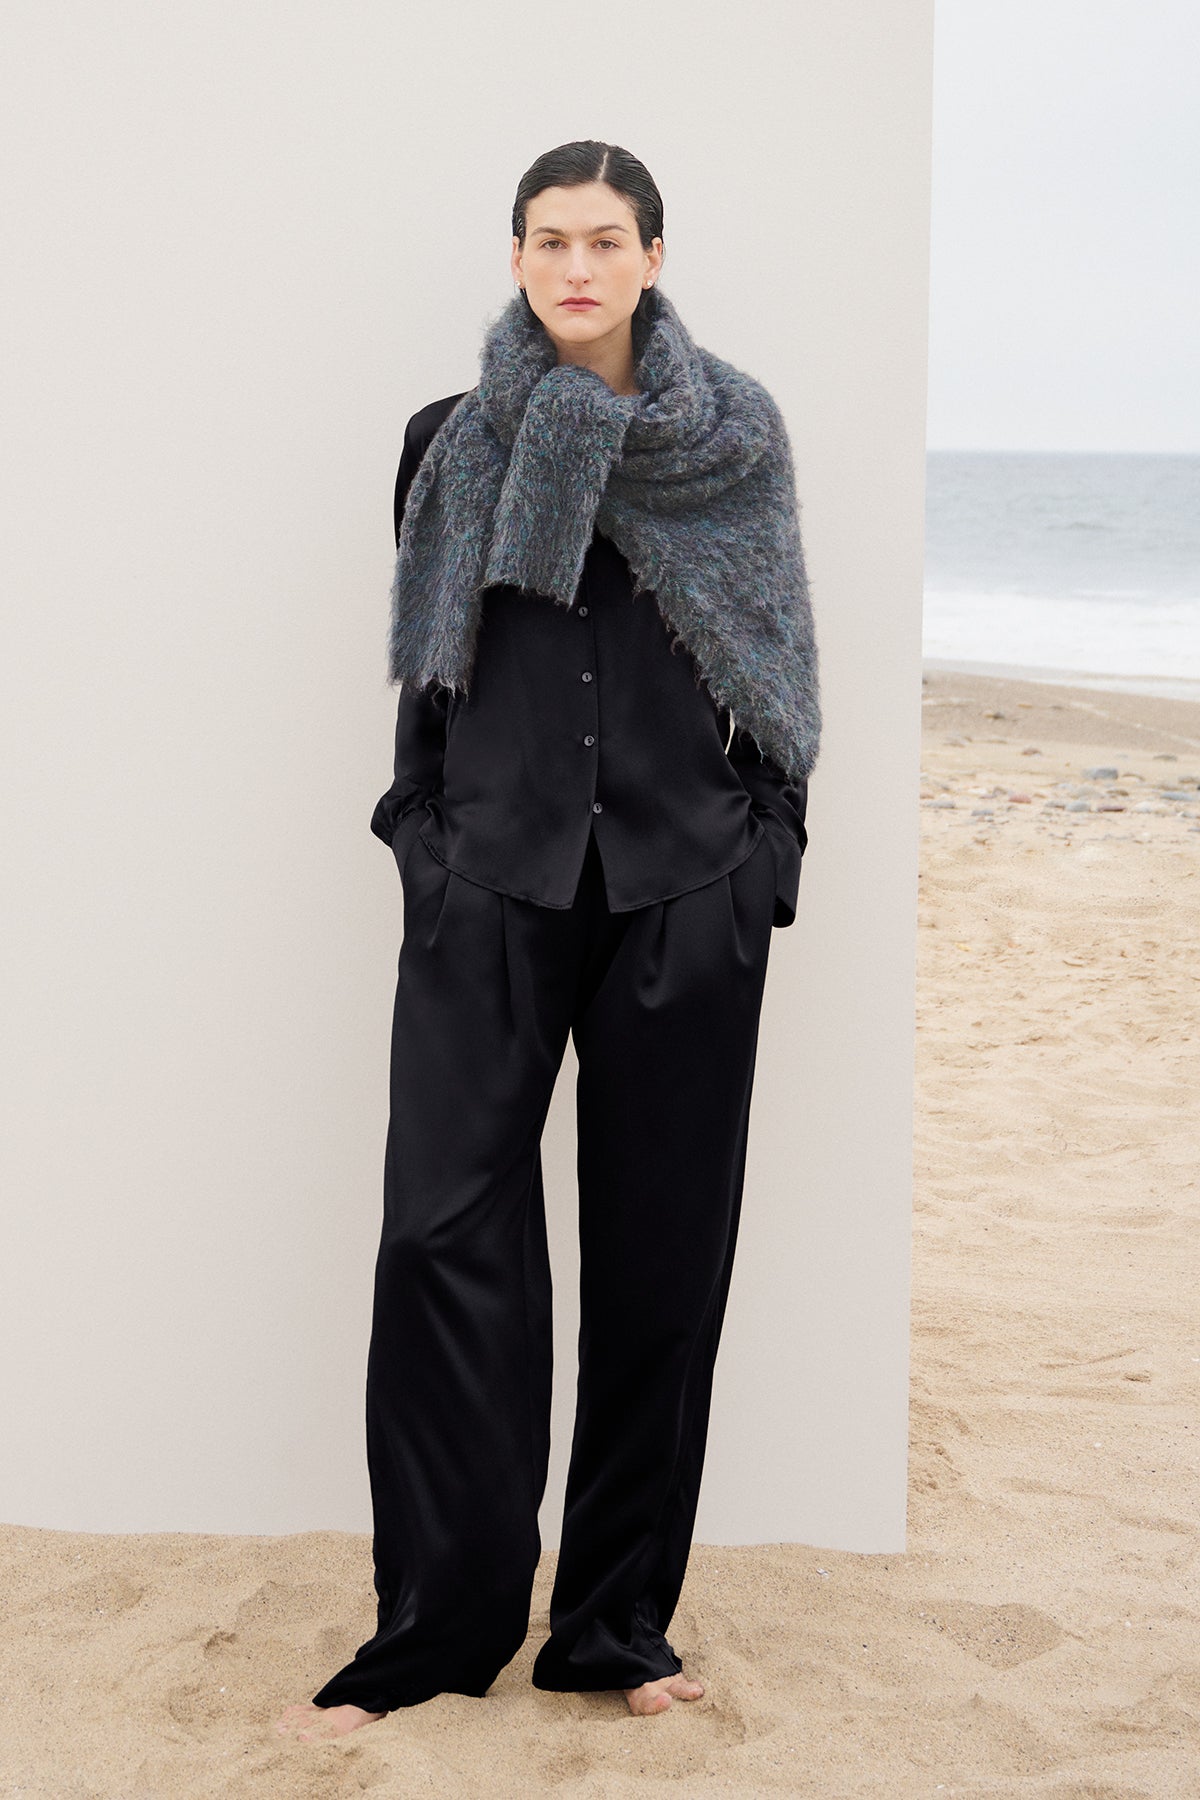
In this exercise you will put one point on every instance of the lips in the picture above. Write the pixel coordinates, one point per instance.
(579, 305)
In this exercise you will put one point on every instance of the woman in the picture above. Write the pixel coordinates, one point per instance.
(598, 567)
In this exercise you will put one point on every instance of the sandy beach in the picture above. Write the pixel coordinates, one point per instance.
(1041, 1633)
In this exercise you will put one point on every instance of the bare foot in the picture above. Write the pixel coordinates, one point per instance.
(322, 1722)
(655, 1696)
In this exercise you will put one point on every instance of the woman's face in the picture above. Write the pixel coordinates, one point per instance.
(582, 243)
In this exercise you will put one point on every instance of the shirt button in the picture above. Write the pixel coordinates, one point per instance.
(589, 739)
(596, 806)
(587, 675)
(582, 610)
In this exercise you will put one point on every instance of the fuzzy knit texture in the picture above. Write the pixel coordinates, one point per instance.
(692, 479)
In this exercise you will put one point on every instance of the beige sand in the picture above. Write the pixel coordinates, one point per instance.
(1041, 1635)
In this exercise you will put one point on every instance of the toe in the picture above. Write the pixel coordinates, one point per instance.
(658, 1696)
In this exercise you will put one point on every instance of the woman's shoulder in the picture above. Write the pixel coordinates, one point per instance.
(424, 424)
(419, 433)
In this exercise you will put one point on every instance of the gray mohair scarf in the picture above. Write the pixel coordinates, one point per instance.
(692, 479)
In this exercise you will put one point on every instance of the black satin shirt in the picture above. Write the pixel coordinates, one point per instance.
(582, 720)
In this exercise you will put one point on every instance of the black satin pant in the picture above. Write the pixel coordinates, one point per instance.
(663, 1005)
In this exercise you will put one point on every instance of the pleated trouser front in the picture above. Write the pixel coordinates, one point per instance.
(663, 1006)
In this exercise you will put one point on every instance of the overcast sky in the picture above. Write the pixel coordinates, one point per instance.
(1066, 225)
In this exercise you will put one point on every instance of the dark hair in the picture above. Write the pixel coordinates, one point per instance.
(587, 159)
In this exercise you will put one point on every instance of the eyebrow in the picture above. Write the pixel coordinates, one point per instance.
(556, 231)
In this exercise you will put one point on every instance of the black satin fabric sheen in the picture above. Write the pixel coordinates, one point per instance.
(582, 723)
(663, 1007)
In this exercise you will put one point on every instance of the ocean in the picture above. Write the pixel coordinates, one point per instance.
(1067, 567)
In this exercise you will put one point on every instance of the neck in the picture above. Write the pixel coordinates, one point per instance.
(609, 357)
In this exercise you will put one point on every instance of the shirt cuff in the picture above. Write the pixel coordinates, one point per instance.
(404, 831)
(788, 855)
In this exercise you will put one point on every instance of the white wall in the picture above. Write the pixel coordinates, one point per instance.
(248, 244)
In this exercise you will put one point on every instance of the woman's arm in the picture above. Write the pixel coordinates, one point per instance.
(421, 714)
(781, 805)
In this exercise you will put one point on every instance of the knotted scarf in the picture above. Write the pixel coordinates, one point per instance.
(692, 479)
